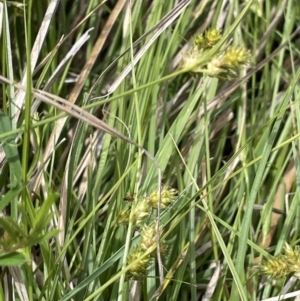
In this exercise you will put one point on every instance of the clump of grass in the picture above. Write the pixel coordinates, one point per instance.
(225, 136)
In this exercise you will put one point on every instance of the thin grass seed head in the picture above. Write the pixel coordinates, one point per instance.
(139, 270)
(168, 195)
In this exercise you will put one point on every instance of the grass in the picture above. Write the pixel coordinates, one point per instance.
(79, 134)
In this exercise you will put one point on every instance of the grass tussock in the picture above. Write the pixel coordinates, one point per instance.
(149, 150)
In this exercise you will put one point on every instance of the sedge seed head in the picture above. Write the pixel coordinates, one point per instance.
(142, 211)
(168, 195)
(139, 269)
(235, 57)
(190, 60)
(228, 63)
(284, 264)
(123, 217)
(292, 257)
(208, 40)
(292, 254)
(224, 64)
(276, 267)
(149, 240)
(212, 36)
(215, 68)
(199, 41)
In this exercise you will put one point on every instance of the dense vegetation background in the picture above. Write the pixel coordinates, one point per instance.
(116, 112)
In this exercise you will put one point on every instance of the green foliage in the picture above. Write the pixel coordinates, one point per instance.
(211, 104)
(12, 259)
